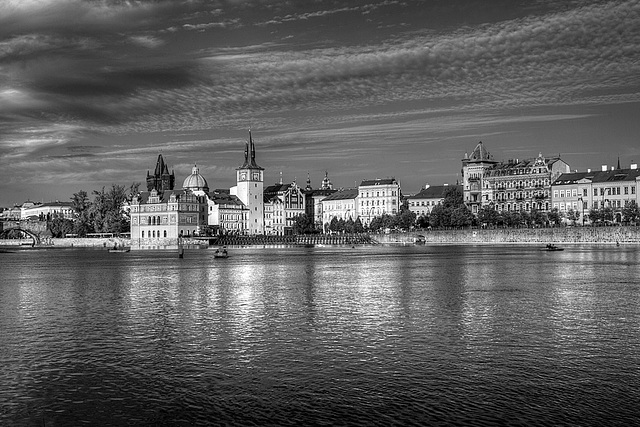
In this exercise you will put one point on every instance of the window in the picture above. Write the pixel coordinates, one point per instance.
(143, 234)
(584, 192)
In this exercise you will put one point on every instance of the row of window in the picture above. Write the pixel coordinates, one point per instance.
(366, 193)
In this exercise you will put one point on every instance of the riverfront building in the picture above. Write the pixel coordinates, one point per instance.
(582, 191)
(377, 197)
(286, 202)
(341, 204)
(514, 185)
(46, 211)
(429, 197)
(314, 198)
(166, 215)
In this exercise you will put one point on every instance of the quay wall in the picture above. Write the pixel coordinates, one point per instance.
(563, 235)
(625, 234)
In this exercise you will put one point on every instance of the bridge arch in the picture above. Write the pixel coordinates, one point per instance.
(4, 233)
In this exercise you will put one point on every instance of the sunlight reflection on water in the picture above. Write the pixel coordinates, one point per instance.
(374, 335)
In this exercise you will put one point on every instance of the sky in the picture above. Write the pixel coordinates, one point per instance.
(91, 91)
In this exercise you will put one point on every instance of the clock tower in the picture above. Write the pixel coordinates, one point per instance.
(250, 179)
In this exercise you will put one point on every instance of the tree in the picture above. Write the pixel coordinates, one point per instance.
(333, 225)
(405, 219)
(573, 216)
(596, 215)
(82, 213)
(107, 211)
(488, 216)
(554, 216)
(439, 217)
(461, 216)
(349, 226)
(423, 221)
(357, 226)
(303, 224)
(631, 212)
(59, 226)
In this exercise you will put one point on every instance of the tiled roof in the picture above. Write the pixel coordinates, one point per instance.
(348, 193)
(384, 181)
(434, 192)
(598, 176)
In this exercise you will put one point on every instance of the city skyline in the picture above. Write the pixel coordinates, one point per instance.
(92, 92)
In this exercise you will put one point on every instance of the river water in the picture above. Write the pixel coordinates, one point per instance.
(379, 335)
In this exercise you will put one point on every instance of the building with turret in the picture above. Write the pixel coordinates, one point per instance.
(512, 185)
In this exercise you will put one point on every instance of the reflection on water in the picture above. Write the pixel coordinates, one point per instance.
(468, 335)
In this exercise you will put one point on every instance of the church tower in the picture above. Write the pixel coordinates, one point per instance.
(250, 179)
(161, 179)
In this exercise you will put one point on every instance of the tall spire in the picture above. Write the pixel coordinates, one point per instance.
(250, 160)
(618, 166)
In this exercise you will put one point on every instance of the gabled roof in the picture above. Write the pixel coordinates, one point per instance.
(346, 194)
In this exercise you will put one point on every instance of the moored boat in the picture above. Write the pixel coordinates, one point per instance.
(552, 248)
(221, 253)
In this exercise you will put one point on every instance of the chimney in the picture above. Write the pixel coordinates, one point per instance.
(604, 168)
(634, 166)
(589, 170)
(611, 167)
(426, 186)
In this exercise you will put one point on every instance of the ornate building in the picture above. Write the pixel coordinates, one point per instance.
(165, 215)
(473, 170)
(286, 201)
(161, 179)
(513, 185)
(249, 189)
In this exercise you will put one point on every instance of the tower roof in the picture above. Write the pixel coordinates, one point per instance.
(195, 181)
(480, 154)
(250, 155)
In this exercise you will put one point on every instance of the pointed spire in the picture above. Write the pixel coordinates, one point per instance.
(618, 166)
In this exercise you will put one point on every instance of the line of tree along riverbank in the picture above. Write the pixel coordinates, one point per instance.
(614, 234)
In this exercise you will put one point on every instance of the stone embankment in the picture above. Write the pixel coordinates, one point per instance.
(564, 235)
(313, 239)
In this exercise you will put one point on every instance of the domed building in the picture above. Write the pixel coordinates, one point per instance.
(195, 182)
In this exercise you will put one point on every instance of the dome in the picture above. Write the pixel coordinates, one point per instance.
(195, 181)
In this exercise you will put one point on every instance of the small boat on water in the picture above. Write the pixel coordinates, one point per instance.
(552, 248)
(221, 253)
(117, 250)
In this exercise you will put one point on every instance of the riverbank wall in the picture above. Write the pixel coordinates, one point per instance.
(564, 235)
(560, 235)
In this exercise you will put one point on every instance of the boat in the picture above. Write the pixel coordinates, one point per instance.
(420, 240)
(221, 253)
(117, 250)
(552, 248)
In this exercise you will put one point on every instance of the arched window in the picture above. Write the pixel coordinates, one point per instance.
(154, 233)
(143, 234)
(165, 233)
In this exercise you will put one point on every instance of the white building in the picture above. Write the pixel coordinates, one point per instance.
(429, 197)
(31, 210)
(249, 189)
(166, 215)
(377, 197)
(342, 204)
